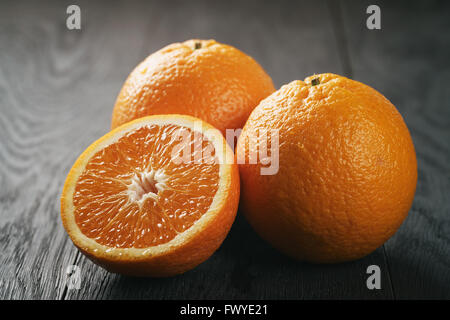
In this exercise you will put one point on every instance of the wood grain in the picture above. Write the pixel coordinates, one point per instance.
(54, 102)
(57, 89)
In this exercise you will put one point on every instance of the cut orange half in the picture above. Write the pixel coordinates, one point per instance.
(154, 197)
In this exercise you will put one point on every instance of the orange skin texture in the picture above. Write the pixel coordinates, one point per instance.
(347, 170)
(216, 83)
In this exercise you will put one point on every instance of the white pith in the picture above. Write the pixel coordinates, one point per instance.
(145, 185)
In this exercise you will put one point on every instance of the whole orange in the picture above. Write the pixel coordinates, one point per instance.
(203, 78)
(347, 169)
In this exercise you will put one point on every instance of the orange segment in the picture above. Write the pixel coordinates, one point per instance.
(146, 185)
(141, 198)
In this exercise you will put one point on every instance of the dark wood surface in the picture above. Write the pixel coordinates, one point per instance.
(57, 89)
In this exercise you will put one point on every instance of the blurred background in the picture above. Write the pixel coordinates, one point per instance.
(58, 87)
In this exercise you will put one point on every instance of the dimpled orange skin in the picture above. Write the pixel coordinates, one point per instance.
(347, 170)
(214, 82)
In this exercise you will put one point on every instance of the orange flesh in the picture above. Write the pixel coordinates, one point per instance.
(132, 195)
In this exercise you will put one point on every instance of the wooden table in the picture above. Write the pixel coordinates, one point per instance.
(58, 86)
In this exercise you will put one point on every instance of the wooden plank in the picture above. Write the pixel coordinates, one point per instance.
(53, 103)
(244, 267)
(57, 88)
(407, 60)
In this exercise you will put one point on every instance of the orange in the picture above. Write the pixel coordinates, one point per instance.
(203, 78)
(347, 170)
(154, 197)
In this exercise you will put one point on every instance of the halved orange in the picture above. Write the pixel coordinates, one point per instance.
(154, 197)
